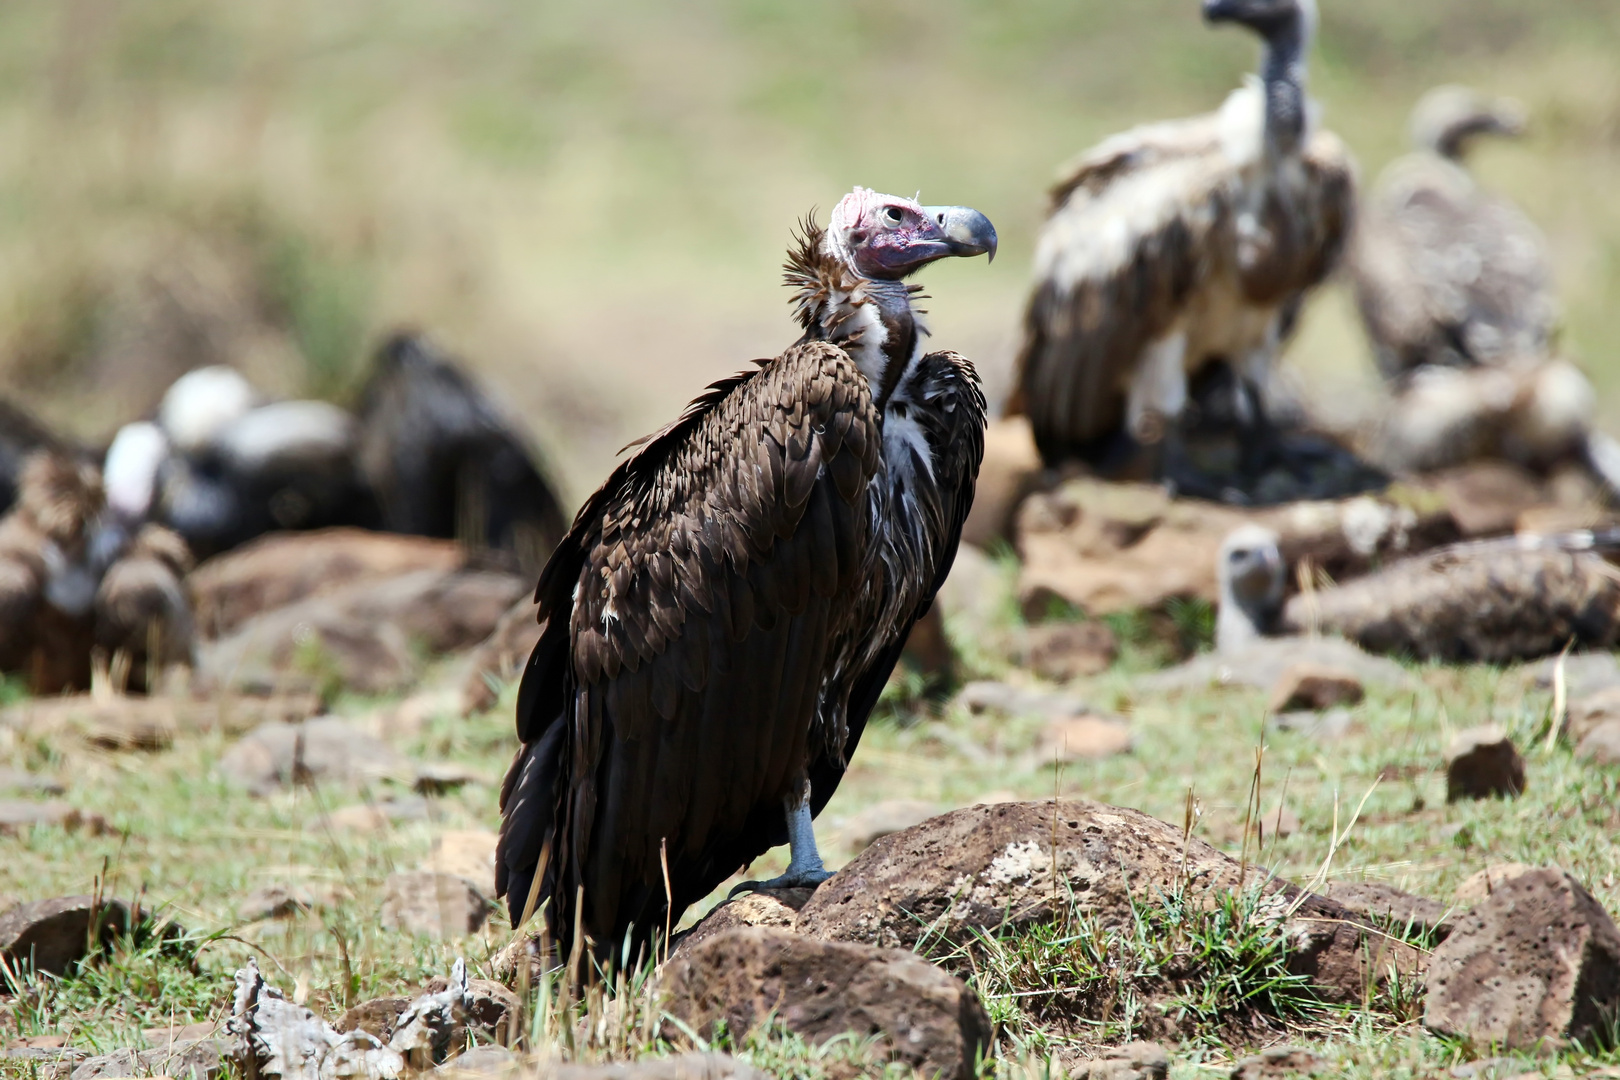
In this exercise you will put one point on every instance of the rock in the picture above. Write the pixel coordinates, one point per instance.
(928, 649)
(493, 1062)
(1133, 1061)
(1483, 763)
(500, 657)
(1585, 674)
(434, 905)
(1486, 498)
(1313, 688)
(881, 819)
(486, 1009)
(915, 1013)
(1263, 663)
(1330, 726)
(467, 853)
(1482, 884)
(163, 1038)
(677, 1067)
(321, 750)
(51, 936)
(1601, 745)
(409, 717)
(375, 1017)
(15, 781)
(195, 1060)
(364, 637)
(1011, 469)
(1061, 651)
(1068, 739)
(1388, 906)
(119, 722)
(1279, 823)
(1586, 714)
(977, 596)
(1277, 1062)
(274, 902)
(277, 1037)
(379, 816)
(988, 696)
(1535, 966)
(769, 908)
(985, 868)
(436, 778)
(19, 816)
(282, 568)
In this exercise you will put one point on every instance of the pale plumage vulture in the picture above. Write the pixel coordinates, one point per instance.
(446, 462)
(1489, 601)
(1455, 289)
(719, 621)
(48, 573)
(1176, 245)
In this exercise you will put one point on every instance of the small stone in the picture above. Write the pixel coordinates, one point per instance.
(820, 990)
(1279, 823)
(434, 905)
(19, 816)
(1276, 1062)
(1329, 726)
(322, 750)
(1313, 688)
(1483, 763)
(770, 908)
(1085, 738)
(379, 816)
(375, 1017)
(1388, 906)
(988, 696)
(1601, 745)
(51, 936)
(275, 902)
(1011, 469)
(881, 819)
(1536, 966)
(467, 853)
(16, 781)
(1482, 884)
(437, 778)
(195, 1060)
(1133, 1061)
(1588, 712)
(1061, 651)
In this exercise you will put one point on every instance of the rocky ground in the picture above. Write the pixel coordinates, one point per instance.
(1093, 847)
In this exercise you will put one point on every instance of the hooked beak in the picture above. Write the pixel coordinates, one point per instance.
(1216, 11)
(967, 232)
(1509, 118)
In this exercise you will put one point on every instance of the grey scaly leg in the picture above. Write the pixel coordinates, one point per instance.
(805, 868)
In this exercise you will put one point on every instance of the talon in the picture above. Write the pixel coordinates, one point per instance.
(802, 879)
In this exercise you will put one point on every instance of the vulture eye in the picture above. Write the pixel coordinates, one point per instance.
(891, 216)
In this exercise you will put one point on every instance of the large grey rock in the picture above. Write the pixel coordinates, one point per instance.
(322, 750)
(916, 1013)
(1537, 965)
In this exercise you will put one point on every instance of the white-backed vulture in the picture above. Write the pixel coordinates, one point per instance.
(1490, 601)
(719, 622)
(446, 462)
(1175, 245)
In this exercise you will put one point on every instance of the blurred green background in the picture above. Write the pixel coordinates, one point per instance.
(590, 200)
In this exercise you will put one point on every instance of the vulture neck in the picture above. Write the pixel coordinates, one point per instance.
(873, 321)
(1282, 73)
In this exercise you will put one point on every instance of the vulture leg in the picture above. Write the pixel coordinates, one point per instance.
(805, 868)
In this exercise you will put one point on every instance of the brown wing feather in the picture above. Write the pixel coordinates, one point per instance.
(708, 569)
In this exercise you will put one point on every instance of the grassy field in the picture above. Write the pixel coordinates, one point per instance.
(591, 200)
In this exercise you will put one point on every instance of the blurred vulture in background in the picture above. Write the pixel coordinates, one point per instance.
(1456, 292)
(143, 618)
(445, 462)
(1177, 245)
(20, 435)
(1491, 601)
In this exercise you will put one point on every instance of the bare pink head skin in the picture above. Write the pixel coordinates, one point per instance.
(887, 237)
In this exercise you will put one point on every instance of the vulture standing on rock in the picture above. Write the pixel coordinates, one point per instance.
(1176, 245)
(1456, 292)
(719, 622)
(446, 463)
(1490, 601)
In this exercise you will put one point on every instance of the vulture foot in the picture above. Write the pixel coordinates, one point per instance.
(805, 869)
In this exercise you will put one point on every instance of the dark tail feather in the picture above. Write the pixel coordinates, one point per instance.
(529, 803)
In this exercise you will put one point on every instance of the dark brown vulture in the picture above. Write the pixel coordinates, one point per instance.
(1456, 291)
(143, 617)
(719, 622)
(1490, 601)
(446, 462)
(48, 574)
(1174, 246)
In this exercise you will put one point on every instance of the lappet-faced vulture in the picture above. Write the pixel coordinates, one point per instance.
(1177, 245)
(719, 622)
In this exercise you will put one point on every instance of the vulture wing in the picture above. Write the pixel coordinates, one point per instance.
(704, 599)
(1446, 273)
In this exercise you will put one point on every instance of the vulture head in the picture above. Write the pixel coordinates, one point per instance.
(1448, 117)
(202, 403)
(889, 238)
(1251, 575)
(1277, 21)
